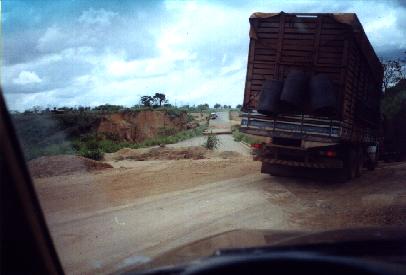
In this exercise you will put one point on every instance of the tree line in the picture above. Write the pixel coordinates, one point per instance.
(159, 100)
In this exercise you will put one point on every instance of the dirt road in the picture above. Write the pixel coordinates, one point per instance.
(221, 123)
(105, 220)
(226, 141)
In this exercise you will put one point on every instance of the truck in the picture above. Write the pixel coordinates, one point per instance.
(313, 89)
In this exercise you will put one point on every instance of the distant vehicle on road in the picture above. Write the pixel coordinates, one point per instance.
(213, 116)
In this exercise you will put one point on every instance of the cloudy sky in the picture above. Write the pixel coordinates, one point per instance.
(78, 52)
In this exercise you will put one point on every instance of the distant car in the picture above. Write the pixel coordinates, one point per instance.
(213, 116)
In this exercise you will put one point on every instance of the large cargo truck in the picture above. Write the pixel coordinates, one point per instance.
(313, 88)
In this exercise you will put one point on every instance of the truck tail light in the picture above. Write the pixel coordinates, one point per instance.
(256, 146)
(329, 153)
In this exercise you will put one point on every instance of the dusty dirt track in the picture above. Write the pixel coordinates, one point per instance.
(106, 220)
(102, 221)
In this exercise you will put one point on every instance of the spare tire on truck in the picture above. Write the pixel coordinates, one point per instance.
(294, 92)
(268, 103)
(323, 97)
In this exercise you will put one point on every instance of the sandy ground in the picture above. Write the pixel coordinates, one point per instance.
(102, 221)
(106, 220)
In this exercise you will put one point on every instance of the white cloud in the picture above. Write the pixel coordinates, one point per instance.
(194, 52)
(96, 17)
(52, 36)
(27, 77)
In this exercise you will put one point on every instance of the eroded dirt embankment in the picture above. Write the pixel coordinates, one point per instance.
(138, 126)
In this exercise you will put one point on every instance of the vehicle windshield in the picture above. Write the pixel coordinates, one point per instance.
(150, 125)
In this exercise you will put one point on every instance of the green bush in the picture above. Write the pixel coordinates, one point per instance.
(190, 118)
(95, 154)
(212, 142)
(238, 136)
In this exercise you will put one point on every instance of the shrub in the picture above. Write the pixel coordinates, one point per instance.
(212, 142)
(95, 154)
(173, 112)
(190, 118)
(238, 136)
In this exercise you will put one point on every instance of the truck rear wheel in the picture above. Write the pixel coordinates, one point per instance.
(371, 165)
(351, 166)
(360, 162)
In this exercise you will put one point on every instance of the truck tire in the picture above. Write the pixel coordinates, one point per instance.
(359, 162)
(269, 98)
(351, 166)
(294, 91)
(371, 165)
(372, 155)
(323, 97)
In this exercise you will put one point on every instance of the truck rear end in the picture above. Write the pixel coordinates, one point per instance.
(313, 87)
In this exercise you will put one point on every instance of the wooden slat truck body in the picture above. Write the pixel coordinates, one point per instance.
(331, 44)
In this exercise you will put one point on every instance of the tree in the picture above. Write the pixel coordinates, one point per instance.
(394, 99)
(159, 98)
(225, 106)
(36, 109)
(136, 106)
(109, 108)
(239, 106)
(217, 105)
(203, 106)
(392, 72)
(147, 100)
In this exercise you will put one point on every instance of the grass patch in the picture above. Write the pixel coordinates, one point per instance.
(174, 138)
(238, 136)
(64, 148)
(94, 145)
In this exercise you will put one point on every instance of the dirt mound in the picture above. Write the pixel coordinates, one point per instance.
(158, 153)
(62, 165)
